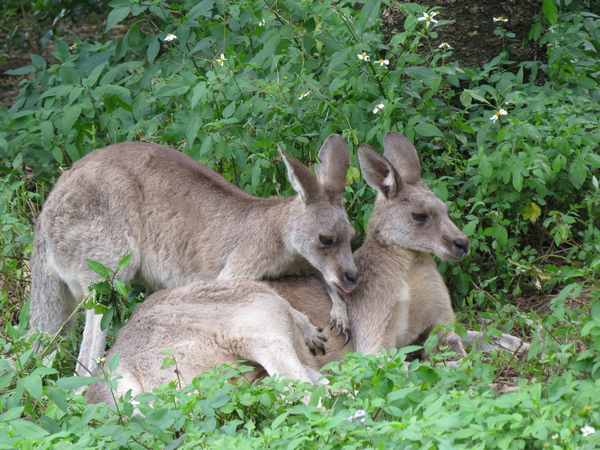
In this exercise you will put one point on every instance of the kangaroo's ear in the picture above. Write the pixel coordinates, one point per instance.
(378, 171)
(335, 159)
(303, 181)
(401, 153)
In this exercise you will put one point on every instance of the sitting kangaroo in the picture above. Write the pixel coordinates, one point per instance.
(182, 222)
(400, 298)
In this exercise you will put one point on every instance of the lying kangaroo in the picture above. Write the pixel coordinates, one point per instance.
(401, 296)
(182, 222)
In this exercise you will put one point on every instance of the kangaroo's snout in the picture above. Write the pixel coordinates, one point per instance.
(348, 282)
(462, 245)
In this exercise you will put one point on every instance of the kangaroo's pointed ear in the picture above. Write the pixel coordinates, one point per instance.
(401, 153)
(303, 181)
(378, 171)
(335, 159)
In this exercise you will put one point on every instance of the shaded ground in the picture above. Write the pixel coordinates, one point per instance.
(472, 32)
(15, 56)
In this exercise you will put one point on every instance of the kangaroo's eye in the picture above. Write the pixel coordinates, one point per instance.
(325, 240)
(420, 217)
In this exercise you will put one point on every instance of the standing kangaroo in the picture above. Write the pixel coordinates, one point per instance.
(182, 222)
(400, 299)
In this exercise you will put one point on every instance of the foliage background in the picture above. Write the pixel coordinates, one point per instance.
(242, 76)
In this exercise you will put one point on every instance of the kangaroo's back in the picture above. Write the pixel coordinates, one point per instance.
(181, 222)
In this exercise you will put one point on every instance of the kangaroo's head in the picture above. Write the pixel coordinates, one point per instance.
(406, 212)
(319, 229)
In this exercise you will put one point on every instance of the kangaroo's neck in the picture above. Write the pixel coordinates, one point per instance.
(383, 293)
(269, 223)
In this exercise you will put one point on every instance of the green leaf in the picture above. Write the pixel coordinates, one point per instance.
(25, 70)
(218, 401)
(577, 173)
(107, 318)
(153, 48)
(485, 168)
(279, 420)
(470, 228)
(62, 50)
(114, 362)
(173, 90)
(58, 396)
(422, 73)
(204, 8)
(124, 262)
(102, 287)
(368, 15)
(517, 177)
(70, 117)
(29, 429)
(12, 413)
(33, 385)
(229, 110)
(427, 374)
(428, 130)
(70, 383)
(38, 61)
(120, 287)
(98, 268)
(338, 58)
(116, 16)
(501, 234)
(57, 154)
(550, 11)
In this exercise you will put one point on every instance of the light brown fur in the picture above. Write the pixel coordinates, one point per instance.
(400, 298)
(182, 222)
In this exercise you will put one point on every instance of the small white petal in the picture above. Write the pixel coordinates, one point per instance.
(587, 430)
(170, 37)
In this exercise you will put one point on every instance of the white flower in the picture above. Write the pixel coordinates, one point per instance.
(99, 361)
(428, 18)
(378, 108)
(384, 62)
(587, 430)
(364, 57)
(170, 37)
(358, 414)
(552, 29)
(555, 436)
(501, 112)
(222, 59)
(500, 19)
(262, 23)
(444, 45)
(303, 95)
(74, 46)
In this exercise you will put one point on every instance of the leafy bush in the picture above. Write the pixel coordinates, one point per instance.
(226, 81)
(235, 81)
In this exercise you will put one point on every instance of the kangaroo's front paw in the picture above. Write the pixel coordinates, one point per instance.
(315, 341)
(339, 319)
(312, 335)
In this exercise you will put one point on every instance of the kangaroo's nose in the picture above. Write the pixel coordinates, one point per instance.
(351, 278)
(462, 245)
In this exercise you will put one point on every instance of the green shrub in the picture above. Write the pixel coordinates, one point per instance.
(240, 77)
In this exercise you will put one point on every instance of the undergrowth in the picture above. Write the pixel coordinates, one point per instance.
(517, 161)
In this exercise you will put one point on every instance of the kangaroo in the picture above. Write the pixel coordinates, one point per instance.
(182, 222)
(399, 300)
